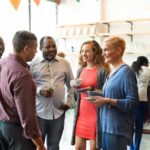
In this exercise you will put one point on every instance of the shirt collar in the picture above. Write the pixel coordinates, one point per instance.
(41, 58)
(22, 62)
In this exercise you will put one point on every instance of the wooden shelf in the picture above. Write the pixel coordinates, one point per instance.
(124, 33)
(138, 52)
(140, 20)
(77, 25)
(78, 36)
(112, 21)
(78, 30)
(94, 29)
(131, 21)
(125, 20)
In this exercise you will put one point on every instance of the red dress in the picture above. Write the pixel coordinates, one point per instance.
(86, 122)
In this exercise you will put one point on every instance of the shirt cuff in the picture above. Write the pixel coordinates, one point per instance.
(38, 89)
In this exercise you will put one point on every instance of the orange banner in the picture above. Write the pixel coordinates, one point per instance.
(37, 1)
(55, 1)
(15, 3)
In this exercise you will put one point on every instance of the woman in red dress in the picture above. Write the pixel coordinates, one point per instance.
(93, 74)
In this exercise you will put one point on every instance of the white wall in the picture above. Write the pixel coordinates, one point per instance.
(87, 11)
(73, 12)
(11, 20)
(127, 9)
(124, 9)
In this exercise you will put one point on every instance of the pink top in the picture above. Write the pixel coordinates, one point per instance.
(86, 123)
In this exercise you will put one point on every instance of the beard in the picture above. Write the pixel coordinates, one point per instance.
(49, 55)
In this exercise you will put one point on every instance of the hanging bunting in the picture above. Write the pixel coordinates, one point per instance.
(15, 3)
(37, 1)
(55, 1)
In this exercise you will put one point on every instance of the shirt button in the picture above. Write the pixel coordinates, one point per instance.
(109, 106)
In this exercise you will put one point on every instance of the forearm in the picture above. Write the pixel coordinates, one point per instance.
(70, 98)
(100, 101)
(38, 143)
(111, 101)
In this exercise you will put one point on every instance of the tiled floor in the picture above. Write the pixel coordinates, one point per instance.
(66, 138)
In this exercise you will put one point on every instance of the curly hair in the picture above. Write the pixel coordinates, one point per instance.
(98, 58)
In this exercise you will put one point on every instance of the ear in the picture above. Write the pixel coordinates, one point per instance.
(26, 49)
(119, 51)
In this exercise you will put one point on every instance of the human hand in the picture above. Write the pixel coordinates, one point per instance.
(75, 83)
(64, 107)
(47, 92)
(72, 83)
(97, 100)
(38, 143)
(40, 148)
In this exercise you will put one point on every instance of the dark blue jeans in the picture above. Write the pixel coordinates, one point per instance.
(11, 137)
(52, 130)
(139, 119)
(114, 142)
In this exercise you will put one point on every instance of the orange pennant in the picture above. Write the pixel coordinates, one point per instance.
(55, 1)
(37, 1)
(15, 3)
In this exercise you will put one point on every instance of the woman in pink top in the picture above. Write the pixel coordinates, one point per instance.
(93, 74)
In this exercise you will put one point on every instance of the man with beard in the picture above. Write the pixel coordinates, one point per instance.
(51, 74)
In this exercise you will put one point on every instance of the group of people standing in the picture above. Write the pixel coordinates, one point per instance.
(113, 111)
(24, 122)
(34, 99)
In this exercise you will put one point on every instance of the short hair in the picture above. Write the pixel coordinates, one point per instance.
(2, 43)
(116, 42)
(42, 39)
(21, 39)
(98, 58)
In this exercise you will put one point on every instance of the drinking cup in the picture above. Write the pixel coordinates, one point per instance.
(76, 82)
